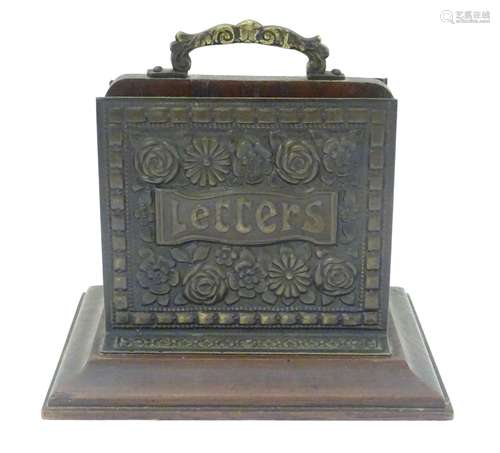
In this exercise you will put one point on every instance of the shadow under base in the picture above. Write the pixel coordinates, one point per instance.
(89, 384)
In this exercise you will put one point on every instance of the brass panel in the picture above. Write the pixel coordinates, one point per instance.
(256, 252)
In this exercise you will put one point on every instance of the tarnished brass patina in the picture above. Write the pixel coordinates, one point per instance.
(251, 32)
(276, 214)
(247, 220)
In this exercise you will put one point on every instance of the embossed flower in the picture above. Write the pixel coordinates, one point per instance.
(297, 161)
(205, 285)
(337, 153)
(289, 281)
(248, 277)
(335, 277)
(158, 276)
(225, 256)
(252, 162)
(207, 162)
(156, 161)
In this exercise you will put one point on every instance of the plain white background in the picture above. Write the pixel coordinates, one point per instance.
(57, 57)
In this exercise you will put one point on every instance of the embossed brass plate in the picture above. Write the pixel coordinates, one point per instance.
(246, 214)
(253, 218)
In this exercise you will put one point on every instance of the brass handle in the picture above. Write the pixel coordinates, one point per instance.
(247, 31)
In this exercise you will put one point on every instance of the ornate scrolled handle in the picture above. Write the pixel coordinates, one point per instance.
(247, 31)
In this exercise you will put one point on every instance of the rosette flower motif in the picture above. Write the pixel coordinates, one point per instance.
(156, 161)
(335, 277)
(158, 276)
(289, 281)
(297, 161)
(252, 162)
(248, 277)
(207, 162)
(204, 285)
(337, 153)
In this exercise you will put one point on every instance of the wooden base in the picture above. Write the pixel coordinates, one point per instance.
(89, 384)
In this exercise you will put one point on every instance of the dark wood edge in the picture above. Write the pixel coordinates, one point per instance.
(247, 413)
(139, 85)
(252, 412)
(63, 353)
(448, 406)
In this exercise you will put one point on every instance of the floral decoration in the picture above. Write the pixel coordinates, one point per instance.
(289, 280)
(202, 274)
(247, 277)
(205, 285)
(335, 277)
(338, 151)
(297, 161)
(156, 161)
(157, 274)
(252, 162)
(206, 162)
